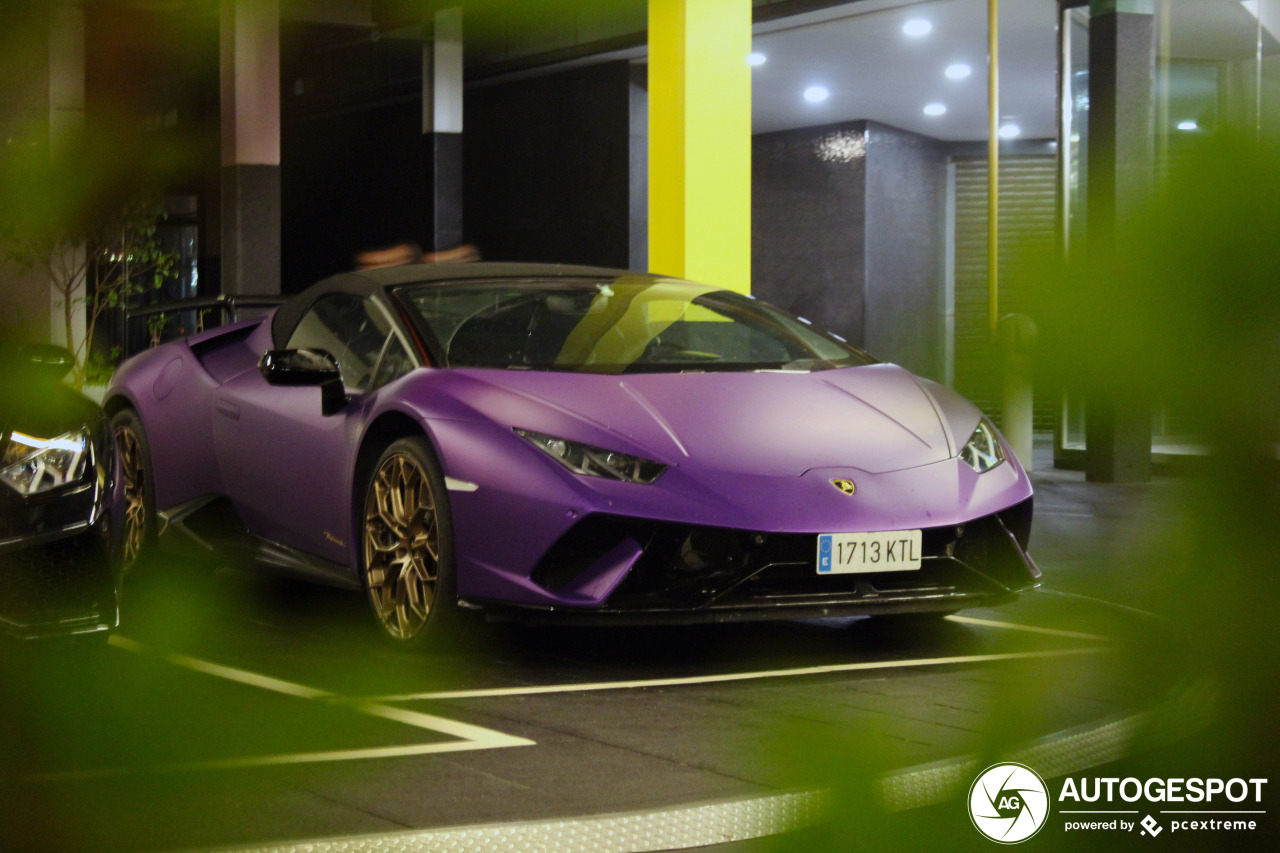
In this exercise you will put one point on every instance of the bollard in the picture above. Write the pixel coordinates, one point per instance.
(1017, 333)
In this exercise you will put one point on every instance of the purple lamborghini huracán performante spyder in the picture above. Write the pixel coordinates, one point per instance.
(572, 443)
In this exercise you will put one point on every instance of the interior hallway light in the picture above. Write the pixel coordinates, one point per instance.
(816, 94)
(935, 109)
(756, 58)
(917, 27)
(958, 71)
(1189, 124)
(1010, 131)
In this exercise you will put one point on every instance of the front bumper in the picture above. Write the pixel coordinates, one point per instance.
(64, 586)
(670, 573)
(58, 574)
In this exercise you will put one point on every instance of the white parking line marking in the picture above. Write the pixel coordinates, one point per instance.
(1102, 601)
(1034, 629)
(252, 761)
(468, 736)
(487, 693)
(241, 676)
(475, 737)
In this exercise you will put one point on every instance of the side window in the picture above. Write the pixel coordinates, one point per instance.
(352, 330)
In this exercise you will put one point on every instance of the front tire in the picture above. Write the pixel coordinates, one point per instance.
(139, 523)
(406, 546)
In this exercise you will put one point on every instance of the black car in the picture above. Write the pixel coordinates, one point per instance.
(63, 504)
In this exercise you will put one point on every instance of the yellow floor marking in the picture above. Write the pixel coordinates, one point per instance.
(734, 676)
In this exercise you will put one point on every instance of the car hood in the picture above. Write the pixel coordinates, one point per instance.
(45, 408)
(876, 418)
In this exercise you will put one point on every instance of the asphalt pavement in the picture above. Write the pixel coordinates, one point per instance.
(237, 711)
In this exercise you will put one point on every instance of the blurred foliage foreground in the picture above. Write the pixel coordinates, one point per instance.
(1186, 310)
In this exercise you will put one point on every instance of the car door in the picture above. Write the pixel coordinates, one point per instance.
(287, 466)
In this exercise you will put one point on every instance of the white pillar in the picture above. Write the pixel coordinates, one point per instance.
(442, 127)
(66, 122)
(250, 68)
(442, 74)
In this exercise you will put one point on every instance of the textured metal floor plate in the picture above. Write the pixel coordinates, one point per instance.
(666, 829)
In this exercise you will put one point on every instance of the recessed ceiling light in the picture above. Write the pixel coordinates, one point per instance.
(816, 94)
(1009, 131)
(917, 27)
(958, 71)
(1189, 124)
(756, 58)
(935, 109)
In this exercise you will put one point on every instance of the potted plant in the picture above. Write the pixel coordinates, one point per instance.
(95, 264)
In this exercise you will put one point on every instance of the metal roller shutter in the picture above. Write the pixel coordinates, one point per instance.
(1027, 214)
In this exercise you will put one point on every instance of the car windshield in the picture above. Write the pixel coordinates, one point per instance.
(642, 325)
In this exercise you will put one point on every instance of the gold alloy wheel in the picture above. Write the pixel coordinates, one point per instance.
(135, 494)
(401, 546)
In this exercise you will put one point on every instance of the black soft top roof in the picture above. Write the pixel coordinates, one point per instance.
(369, 282)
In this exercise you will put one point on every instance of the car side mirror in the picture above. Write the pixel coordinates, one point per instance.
(306, 368)
(45, 361)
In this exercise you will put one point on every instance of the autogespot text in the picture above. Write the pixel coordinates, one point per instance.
(1176, 804)
(1130, 790)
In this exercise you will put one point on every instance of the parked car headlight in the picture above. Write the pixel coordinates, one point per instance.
(32, 465)
(982, 451)
(595, 461)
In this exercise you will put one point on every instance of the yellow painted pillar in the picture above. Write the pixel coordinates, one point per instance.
(700, 141)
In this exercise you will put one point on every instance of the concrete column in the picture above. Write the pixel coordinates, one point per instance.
(66, 123)
(442, 127)
(700, 140)
(1120, 174)
(66, 75)
(250, 69)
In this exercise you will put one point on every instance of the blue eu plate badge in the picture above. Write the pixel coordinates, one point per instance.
(824, 553)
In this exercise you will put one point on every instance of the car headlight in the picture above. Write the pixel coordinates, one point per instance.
(33, 465)
(982, 451)
(595, 461)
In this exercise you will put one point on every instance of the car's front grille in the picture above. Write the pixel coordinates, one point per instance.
(686, 567)
(65, 579)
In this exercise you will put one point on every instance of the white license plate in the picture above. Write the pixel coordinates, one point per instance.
(887, 551)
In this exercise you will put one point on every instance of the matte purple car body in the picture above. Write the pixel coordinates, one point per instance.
(749, 454)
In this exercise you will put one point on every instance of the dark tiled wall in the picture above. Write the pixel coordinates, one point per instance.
(356, 171)
(352, 180)
(906, 197)
(639, 207)
(553, 169)
(847, 226)
(547, 165)
(808, 224)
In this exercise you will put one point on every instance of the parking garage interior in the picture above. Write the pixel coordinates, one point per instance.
(1123, 319)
